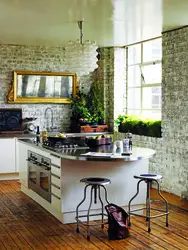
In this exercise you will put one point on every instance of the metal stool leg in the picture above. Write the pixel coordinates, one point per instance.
(129, 205)
(102, 207)
(102, 204)
(105, 193)
(77, 228)
(91, 199)
(165, 200)
(148, 205)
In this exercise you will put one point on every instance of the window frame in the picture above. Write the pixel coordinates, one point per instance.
(142, 80)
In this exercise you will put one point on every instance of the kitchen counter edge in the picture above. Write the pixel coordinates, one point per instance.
(138, 154)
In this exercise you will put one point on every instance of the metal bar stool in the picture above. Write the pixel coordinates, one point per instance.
(148, 178)
(96, 183)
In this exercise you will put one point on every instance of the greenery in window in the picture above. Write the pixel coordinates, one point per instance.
(138, 126)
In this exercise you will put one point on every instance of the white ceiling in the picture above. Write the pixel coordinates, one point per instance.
(108, 22)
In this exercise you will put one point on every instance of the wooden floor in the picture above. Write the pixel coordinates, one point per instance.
(26, 225)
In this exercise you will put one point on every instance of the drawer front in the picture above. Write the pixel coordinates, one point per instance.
(56, 181)
(55, 159)
(55, 169)
(56, 191)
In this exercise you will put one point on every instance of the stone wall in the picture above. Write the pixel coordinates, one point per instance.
(113, 79)
(175, 110)
(35, 58)
(171, 158)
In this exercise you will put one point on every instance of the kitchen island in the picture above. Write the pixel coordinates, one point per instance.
(61, 171)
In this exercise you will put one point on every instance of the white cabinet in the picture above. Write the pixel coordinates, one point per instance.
(7, 155)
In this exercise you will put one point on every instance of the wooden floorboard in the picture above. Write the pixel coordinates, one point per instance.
(26, 225)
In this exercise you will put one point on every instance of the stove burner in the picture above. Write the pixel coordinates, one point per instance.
(59, 144)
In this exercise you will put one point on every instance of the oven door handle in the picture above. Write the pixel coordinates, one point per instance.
(44, 167)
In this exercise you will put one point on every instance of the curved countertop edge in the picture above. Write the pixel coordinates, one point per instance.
(139, 153)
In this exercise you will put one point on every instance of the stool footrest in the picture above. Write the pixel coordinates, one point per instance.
(82, 216)
(94, 224)
(89, 224)
(151, 216)
(156, 209)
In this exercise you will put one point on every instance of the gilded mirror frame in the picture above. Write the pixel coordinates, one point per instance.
(46, 80)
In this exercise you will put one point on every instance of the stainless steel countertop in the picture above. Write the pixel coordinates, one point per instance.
(138, 153)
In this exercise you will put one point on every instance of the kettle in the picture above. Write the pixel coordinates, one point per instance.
(29, 125)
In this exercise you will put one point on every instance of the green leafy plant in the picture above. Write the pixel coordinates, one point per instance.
(138, 126)
(88, 108)
(79, 107)
(95, 102)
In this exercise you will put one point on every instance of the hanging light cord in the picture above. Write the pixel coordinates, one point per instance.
(80, 25)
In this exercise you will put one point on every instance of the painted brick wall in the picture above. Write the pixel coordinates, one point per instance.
(175, 110)
(35, 58)
(112, 77)
(171, 158)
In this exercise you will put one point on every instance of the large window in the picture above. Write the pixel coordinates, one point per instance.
(144, 79)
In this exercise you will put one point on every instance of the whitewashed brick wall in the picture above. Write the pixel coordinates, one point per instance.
(171, 160)
(35, 58)
(175, 110)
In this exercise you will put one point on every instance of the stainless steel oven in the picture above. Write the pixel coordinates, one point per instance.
(39, 175)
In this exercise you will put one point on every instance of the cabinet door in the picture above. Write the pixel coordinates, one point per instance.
(7, 156)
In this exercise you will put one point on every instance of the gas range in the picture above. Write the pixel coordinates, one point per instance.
(64, 145)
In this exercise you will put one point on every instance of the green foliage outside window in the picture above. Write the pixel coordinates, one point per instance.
(138, 126)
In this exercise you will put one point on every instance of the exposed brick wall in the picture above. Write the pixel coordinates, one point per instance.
(174, 110)
(171, 158)
(107, 79)
(35, 58)
(113, 77)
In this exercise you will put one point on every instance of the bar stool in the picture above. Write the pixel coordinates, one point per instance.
(96, 183)
(148, 178)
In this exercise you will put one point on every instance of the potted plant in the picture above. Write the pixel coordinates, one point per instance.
(95, 103)
(80, 112)
(87, 108)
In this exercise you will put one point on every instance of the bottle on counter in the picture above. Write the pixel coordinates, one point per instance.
(129, 137)
(38, 135)
(44, 135)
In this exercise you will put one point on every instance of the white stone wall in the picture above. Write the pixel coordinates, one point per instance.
(175, 110)
(35, 58)
(171, 160)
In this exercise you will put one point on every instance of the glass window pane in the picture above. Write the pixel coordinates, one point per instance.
(152, 114)
(152, 50)
(134, 112)
(151, 98)
(134, 100)
(152, 73)
(134, 54)
(134, 76)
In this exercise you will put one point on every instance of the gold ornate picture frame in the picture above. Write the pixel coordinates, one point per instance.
(42, 87)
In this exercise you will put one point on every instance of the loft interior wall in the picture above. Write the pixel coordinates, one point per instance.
(36, 58)
(171, 158)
